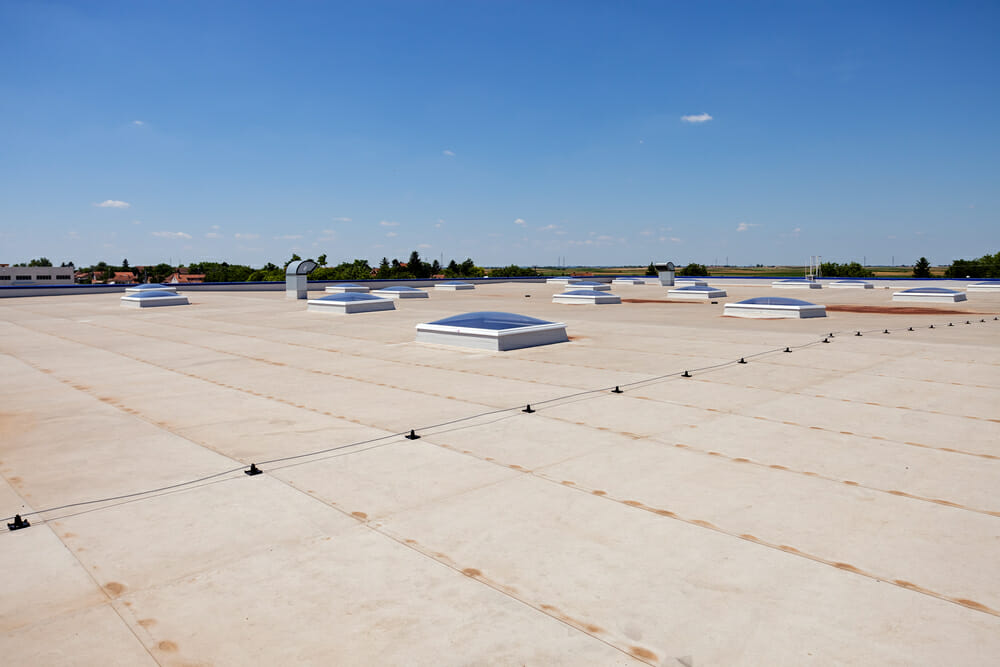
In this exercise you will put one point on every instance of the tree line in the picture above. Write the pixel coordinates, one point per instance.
(359, 269)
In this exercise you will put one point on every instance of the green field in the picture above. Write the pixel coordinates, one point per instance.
(761, 272)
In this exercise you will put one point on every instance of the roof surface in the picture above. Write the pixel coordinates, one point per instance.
(835, 504)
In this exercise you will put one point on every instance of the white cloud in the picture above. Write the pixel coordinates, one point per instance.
(672, 239)
(138, 123)
(391, 235)
(745, 226)
(137, 222)
(520, 221)
(288, 237)
(439, 224)
(549, 228)
(171, 235)
(389, 223)
(342, 220)
(246, 237)
(424, 246)
(696, 118)
(213, 235)
(448, 153)
(216, 227)
(113, 203)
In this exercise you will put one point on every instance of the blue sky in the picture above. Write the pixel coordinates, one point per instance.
(510, 132)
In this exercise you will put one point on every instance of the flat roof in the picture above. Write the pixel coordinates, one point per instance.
(834, 504)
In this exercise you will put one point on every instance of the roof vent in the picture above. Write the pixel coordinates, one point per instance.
(296, 278)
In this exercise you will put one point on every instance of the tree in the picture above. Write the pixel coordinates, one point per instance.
(651, 270)
(512, 271)
(41, 261)
(321, 260)
(852, 270)
(922, 269)
(693, 269)
(124, 265)
(987, 266)
(418, 267)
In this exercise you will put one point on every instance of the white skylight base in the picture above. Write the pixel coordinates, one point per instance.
(453, 286)
(704, 293)
(683, 282)
(628, 281)
(349, 307)
(988, 286)
(760, 308)
(147, 301)
(347, 288)
(929, 297)
(850, 284)
(796, 284)
(586, 297)
(562, 280)
(591, 285)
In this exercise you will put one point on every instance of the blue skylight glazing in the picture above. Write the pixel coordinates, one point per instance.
(350, 296)
(696, 288)
(151, 294)
(776, 301)
(585, 292)
(399, 288)
(930, 290)
(490, 319)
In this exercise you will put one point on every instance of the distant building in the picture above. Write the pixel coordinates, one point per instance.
(122, 278)
(182, 276)
(36, 275)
